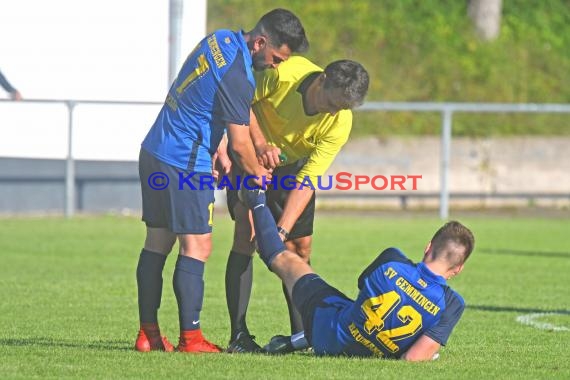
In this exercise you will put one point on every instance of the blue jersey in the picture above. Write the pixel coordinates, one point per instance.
(397, 303)
(214, 88)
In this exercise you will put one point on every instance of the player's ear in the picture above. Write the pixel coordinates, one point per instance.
(456, 270)
(427, 250)
(259, 42)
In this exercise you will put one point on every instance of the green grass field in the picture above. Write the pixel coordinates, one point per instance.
(69, 306)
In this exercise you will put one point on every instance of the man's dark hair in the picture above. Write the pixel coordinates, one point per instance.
(448, 238)
(351, 78)
(282, 27)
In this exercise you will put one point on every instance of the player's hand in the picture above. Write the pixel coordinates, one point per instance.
(268, 156)
(263, 177)
(221, 165)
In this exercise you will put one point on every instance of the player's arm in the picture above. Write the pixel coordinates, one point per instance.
(268, 155)
(234, 97)
(221, 162)
(425, 348)
(296, 201)
(317, 164)
(241, 145)
(427, 345)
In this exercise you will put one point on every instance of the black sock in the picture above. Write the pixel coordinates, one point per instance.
(188, 283)
(149, 284)
(239, 277)
(294, 316)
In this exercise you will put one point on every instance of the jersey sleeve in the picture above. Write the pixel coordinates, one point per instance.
(233, 98)
(326, 148)
(388, 255)
(453, 310)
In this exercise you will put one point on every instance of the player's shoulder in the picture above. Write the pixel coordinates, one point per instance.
(225, 41)
(394, 254)
(296, 68)
(389, 257)
(226, 35)
(453, 299)
(344, 117)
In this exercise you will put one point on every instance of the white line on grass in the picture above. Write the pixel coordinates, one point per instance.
(530, 319)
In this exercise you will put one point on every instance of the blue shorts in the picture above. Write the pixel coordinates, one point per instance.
(320, 305)
(188, 210)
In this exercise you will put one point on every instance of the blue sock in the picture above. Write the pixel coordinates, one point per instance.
(188, 283)
(266, 235)
(149, 284)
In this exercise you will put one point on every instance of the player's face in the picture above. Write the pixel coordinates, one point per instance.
(267, 56)
(328, 101)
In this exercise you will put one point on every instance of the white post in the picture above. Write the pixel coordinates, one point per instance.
(445, 154)
(175, 10)
(70, 165)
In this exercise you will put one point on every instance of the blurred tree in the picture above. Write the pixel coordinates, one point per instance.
(486, 16)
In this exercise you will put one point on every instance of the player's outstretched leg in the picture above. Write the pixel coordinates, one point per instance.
(268, 241)
(282, 344)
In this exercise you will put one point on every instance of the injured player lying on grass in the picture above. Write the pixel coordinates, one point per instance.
(403, 310)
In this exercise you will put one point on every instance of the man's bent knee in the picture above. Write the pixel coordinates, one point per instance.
(197, 246)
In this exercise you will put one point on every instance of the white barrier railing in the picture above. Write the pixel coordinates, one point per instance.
(446, 109)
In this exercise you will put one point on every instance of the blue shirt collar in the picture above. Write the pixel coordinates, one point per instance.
(424, 270)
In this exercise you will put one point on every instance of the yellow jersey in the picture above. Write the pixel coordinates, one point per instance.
(278, 106)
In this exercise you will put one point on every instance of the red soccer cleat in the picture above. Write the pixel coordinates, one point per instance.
(193, 341)
(160, 343)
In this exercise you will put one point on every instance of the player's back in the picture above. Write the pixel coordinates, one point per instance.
(214, 87)
(398, 302)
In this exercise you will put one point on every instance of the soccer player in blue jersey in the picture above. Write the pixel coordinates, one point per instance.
(403, 310)
(211, 96)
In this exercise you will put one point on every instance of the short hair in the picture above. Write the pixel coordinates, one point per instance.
(282, 27)
(446, 241)
(351, 78)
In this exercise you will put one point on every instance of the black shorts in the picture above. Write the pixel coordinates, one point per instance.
(276, 201)
(186, 209)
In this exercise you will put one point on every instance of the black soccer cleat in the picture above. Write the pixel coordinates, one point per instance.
(279, 345)
(243, 343)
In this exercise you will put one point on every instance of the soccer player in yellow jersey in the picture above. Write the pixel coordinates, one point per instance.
(302, 112)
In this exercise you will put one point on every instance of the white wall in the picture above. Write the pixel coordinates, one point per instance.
(86, 49)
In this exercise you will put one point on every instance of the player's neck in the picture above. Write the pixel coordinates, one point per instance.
(309, 98)
(439, 268)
